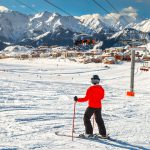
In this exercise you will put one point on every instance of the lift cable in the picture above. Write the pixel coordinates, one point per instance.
(117, 11)
(64, 11)
(24, 4)
(99, 5)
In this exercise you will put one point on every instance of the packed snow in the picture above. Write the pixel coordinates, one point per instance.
(37, 101)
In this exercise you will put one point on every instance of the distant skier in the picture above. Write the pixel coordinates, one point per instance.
(94, 96)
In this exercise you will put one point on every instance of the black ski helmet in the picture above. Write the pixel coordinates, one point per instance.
(95, 79)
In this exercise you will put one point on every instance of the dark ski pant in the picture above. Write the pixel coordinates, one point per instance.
(99, 120)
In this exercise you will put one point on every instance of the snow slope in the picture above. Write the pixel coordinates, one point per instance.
(37, 100)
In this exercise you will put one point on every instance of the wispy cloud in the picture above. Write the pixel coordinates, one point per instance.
(129, 11)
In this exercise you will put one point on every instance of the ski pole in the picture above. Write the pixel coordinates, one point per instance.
(93, 121)
(73, 120)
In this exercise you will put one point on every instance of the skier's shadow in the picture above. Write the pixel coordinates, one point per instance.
(121, 144)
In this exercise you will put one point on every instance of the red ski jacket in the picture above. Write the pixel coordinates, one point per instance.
(94, 95)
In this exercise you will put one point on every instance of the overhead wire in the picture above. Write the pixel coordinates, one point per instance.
(29, 7)
(51, 4)
(117, 11)
(123, 16)
(111, 5)
(99, 5)
(64, 11)
(143, 18)
(111, 31)
(24, 4)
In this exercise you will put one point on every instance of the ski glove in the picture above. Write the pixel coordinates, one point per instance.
(75, 98)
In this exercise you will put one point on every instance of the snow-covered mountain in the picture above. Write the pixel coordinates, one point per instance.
(143, 26)
(93, 22)
(13, 26)
(110, 21)
(53, 28)
(47, 21)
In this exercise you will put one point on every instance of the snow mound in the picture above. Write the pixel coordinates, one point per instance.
(17, 49)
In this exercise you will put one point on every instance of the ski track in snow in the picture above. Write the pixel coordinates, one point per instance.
(36, 100)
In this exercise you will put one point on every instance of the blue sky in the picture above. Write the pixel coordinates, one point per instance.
(78, 7)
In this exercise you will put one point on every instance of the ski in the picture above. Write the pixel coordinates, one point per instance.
(81, 136)
(67, 135)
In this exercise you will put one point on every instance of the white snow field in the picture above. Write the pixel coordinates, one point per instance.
(36, 100)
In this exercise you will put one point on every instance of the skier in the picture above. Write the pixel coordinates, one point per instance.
(94, 96)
